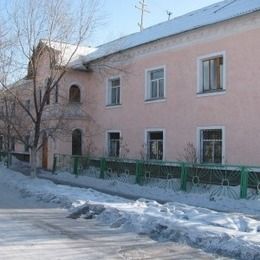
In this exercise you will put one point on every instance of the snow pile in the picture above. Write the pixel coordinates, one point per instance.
(231, 234)
(201, 197)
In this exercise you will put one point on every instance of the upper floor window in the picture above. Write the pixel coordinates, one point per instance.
(113, 95)
(211, 76)
(74, 95)
(155, 88)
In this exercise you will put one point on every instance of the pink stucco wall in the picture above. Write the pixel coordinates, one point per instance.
(182, 111)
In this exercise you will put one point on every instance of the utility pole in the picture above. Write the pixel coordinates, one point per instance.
(169, 13)
(143, 10)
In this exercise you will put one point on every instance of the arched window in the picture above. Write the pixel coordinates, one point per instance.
(76, 142)
(74, 94)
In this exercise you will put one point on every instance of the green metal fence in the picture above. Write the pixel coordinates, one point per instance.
(233, 181)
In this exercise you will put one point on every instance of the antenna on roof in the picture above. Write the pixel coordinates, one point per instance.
(143, 10)
(169, 13)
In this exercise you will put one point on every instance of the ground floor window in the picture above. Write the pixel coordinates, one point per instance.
(155, 145)
(13, 143)
(76, 142)
(113, 144)
(211, 145)
(1, 142)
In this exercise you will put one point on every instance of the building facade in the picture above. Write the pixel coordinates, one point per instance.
(144, 96)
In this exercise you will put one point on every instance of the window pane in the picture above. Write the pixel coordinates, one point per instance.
(218, 152)
(221, 76)
(157, 74)
(161, 88)
(213, 78)
(207, 152)
(154, 89)
(205, 75)
(115, 82)
(115, 96)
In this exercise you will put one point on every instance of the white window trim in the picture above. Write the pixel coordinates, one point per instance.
(223, 140)
(107, 102)
(106, 140)
(147, 81)
(148, 130)
(199, 73)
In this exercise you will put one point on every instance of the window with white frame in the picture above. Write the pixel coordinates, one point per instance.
(113, 144)
(155, 145)
(211, 145)
(211, 78)
(155, 88)
(113, 94)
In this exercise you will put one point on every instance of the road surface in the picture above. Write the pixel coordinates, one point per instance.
(31, 229)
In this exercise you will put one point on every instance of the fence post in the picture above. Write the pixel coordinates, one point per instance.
(54, 164)
(139, 172)
(76, 166)
(183, 177)
(243, 183)
(102, 168)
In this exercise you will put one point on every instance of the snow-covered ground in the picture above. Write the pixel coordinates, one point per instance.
(232, 234)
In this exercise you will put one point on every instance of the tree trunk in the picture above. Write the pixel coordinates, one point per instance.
(33, 162)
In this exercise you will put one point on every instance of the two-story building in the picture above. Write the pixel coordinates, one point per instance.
(193, 79)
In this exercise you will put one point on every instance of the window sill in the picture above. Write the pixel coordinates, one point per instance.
(157, 100)
(113, 106)
(213, 93)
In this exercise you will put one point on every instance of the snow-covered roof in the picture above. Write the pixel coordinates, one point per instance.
(67, 50)
(212, 14)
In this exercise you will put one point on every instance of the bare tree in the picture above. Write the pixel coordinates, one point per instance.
(42, 29)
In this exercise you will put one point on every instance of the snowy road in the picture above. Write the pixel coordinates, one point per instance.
(35, 230)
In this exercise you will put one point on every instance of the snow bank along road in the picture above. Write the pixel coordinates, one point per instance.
(33, 229)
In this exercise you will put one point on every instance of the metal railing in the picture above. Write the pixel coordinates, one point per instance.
(235, 181)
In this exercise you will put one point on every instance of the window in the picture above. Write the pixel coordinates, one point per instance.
(113, 144)
(113, 98)
(48, 83)
(13, 109)
(155, 145)
(76, 142)
(155, 88)
(26, 143)
(12, 143)
(27, 104)
(211, 145)
(1, 142)
(56, 96)
(211, 77)
(74, 95)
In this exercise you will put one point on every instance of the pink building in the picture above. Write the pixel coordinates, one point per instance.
(193, 79)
